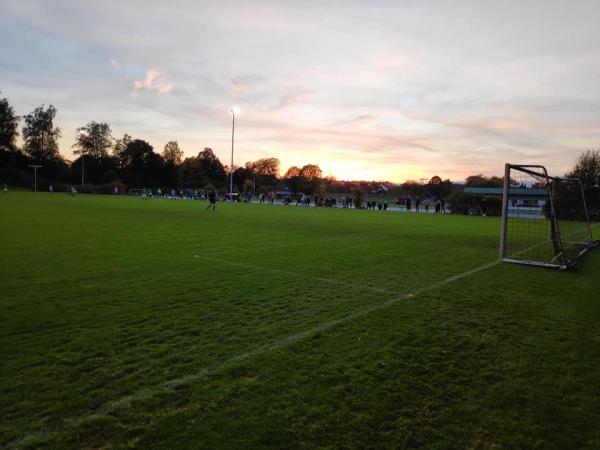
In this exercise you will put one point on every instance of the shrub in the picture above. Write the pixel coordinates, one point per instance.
(468, 203)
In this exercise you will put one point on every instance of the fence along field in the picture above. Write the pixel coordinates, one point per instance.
(157, 323)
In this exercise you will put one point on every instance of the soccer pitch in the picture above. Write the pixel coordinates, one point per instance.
(159, 324)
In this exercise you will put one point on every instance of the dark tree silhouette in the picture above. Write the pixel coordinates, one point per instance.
(9, 123)
(587, 168)
(293, 179)
(93, 139)
(267, 167)
(211, 166)
(40, 136)
(480, 180)
(172, 153)
(121, 145)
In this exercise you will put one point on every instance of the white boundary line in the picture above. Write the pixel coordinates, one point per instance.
(286, 341)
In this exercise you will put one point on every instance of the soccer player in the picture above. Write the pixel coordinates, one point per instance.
(212, 200)
(5, 188)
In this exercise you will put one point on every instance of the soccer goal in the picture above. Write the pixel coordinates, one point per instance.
(545, 220)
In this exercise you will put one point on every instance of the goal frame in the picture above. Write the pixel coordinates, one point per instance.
(560, 260)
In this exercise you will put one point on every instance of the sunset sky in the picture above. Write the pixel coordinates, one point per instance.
(387, 90)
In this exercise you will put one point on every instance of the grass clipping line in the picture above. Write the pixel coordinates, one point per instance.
(169, 386)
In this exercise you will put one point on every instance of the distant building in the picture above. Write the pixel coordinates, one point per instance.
(523, 201)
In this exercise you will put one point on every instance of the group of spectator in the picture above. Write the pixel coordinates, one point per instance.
(267, 198)
(409, 203)
(377, 205)
(177, 194)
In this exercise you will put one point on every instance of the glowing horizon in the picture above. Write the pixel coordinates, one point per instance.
(387, 91)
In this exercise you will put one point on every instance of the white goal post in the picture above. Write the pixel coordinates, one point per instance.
(545, 220)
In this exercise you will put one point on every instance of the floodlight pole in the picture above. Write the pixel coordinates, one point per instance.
(231, 167)
(35, 168)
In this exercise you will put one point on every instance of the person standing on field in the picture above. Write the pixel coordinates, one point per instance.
(5, 188)
(212, 200)
(484, 207)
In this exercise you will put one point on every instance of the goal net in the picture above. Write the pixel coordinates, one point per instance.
(545, 221)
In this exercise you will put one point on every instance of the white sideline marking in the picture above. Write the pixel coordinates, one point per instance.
(169, 386)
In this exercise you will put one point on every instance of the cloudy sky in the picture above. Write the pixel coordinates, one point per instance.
(374, 89)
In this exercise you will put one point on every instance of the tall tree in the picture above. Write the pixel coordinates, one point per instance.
(140, 165)
(136, 154)
(192, 173)
(121, 145)
(439, 188)
(311, 171)
(268, 167)
(40, 136)
(9, 123)
(93, 139)
(293, 179)
(212, 167)
(172, 153)
(312, 176)
(293, 171)
(435, 180)
(587, 168)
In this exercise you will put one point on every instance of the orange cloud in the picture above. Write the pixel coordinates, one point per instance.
(154, 80)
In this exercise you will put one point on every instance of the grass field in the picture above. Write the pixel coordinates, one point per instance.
(131, 323)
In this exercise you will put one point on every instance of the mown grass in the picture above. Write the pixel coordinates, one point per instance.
(131, 323)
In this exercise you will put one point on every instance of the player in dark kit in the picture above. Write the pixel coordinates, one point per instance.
(212, 200)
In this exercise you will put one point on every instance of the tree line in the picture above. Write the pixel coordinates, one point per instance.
(104, 162)
(126, 162)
